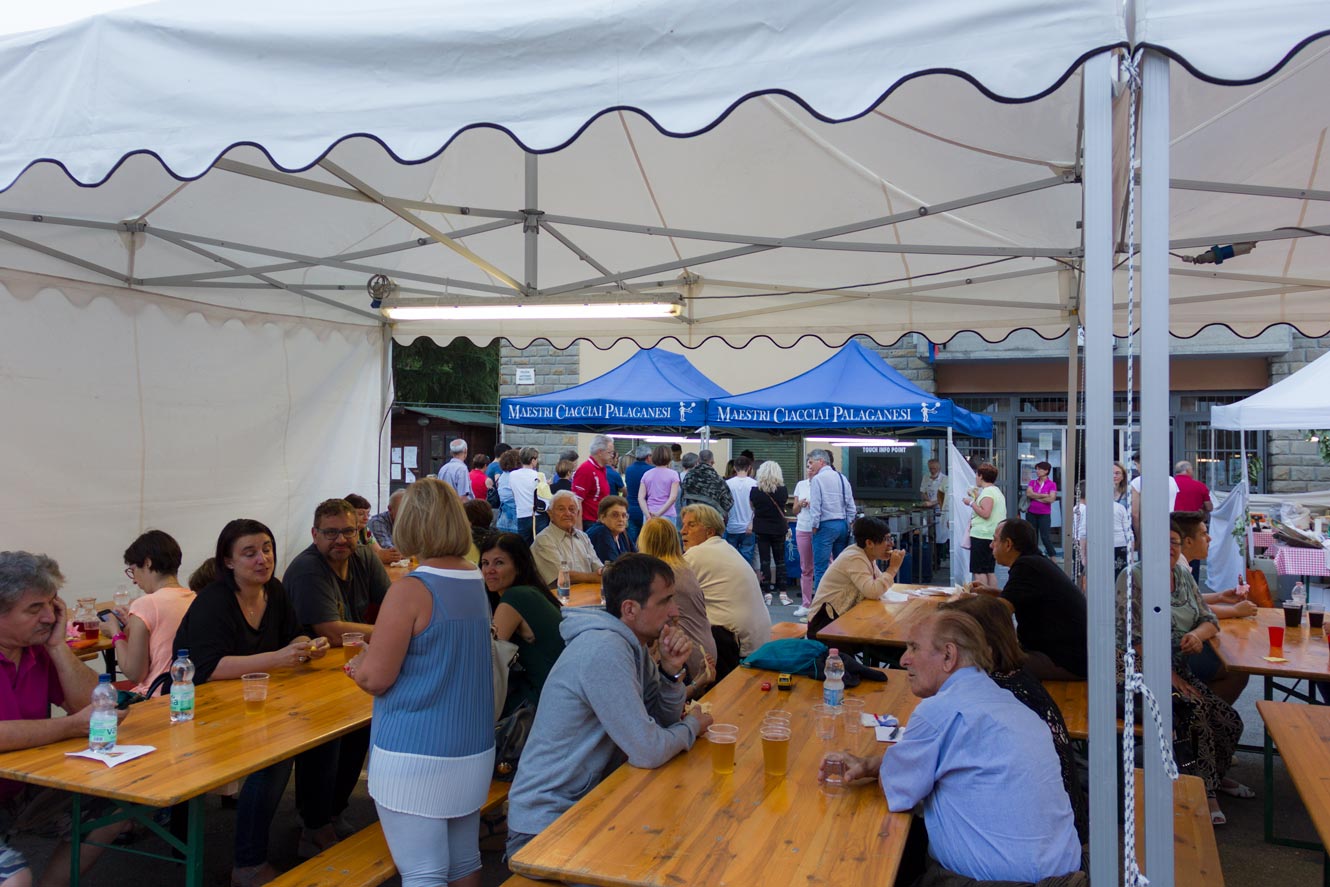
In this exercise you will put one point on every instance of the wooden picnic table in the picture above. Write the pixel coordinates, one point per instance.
(682, 824)
(1303, 735)
(585, 594)
(881, 622)
(306, 707)
(1244, 646)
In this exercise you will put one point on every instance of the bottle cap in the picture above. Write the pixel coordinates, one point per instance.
(103, 679)
(181, 654)
(833, 652)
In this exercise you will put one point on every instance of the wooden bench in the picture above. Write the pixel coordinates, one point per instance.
(1195, 853)
(1072, 698)
(363, 860)
(783, 630)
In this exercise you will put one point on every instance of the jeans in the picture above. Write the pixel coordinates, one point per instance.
(1044, 524)
(804, 539)
(525, 530)
(327, 775)
(746, 543)
(829, 540)
(259, 797)
(771, 550)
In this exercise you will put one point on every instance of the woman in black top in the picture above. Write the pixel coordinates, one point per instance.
(768, 499)
(242, 623)
(994, 617)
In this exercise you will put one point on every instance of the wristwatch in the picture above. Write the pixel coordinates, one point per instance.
(672, 678)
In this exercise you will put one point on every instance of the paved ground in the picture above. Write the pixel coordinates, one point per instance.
(1247, 860)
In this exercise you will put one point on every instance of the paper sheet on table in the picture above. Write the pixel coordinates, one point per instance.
(895, 597)
(885, 727)
(935, 591)
(117, 755)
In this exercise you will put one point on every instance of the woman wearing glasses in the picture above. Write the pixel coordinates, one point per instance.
(854, 575)
(144, 632)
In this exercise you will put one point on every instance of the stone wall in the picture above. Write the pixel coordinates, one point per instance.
(909, 357)
(555, 370)
(1294, 465)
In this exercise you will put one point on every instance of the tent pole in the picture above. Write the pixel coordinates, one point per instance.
(1155, 613)
(1070, 473)
(1097, 233)
(531, 226)
(1250, 557)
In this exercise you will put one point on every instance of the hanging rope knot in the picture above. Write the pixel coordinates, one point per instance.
(1131, 71)
(1135, 683)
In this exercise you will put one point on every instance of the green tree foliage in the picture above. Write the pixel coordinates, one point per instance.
(458, 373)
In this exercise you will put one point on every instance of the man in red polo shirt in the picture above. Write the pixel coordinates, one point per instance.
(38, 670)
(589, 481)
(1192, 494)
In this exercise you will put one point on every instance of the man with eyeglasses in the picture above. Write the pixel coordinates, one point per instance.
(335, 586)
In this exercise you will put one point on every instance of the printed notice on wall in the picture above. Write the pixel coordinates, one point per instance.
(395, 472)
(526, 375)
(409, 457)
(1045, 440)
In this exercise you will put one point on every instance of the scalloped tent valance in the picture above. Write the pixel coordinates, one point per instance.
(934, 210)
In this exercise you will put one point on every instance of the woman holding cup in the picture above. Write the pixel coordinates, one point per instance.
(244, 623)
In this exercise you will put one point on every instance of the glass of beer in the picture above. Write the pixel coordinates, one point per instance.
(1316, 616)
(352, 643)
(723, 739)
(255, 687)
(775, 748)
(1292, 614)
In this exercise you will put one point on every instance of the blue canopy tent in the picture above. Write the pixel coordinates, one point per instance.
(654, 391)
(854, 392)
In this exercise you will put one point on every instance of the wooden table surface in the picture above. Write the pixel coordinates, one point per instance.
(1244, 643)
(1302, 733)
(306, 707)
(92, 651)
(682, 824)
(880, 622)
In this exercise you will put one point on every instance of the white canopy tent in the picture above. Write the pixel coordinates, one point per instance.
(245, 172)
(1300, 402)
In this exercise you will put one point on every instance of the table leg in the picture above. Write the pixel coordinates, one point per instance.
(76, 842)
(194, 844)
(1269, 799)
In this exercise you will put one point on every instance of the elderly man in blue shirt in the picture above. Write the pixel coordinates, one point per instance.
(980, 764)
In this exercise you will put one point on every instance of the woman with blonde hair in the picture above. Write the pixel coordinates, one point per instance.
(768, 499)
(660, 538)
(431, 642)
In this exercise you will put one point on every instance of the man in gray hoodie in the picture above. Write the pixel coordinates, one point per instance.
(606, 701)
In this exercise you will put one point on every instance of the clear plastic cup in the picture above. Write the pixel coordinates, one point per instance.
(775, 749)
(255, 688)
(853, 715)
(827, 719)
(352, 643)
(723, 738)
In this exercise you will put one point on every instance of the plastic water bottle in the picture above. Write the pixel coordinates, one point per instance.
(1299, 594)
(565, 586)
(103, 723)
(833, 688)
(182, 688)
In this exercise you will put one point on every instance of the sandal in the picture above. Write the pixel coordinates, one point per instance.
(767, 598)
(1236, 789)
(785, 599)
(1217, 817)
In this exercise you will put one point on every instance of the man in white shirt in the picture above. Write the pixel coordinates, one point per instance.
(1136, 501)
(564, 542)
(832, 503)
(739, 523)
(934, 487)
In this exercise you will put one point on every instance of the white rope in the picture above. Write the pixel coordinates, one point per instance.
(1133, 680)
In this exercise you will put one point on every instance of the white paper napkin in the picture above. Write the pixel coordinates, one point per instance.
(116, 755)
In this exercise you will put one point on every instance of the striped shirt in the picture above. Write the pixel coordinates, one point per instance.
(435, 725)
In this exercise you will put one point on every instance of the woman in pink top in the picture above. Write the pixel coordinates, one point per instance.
(1042, 492)
(659, 489)
(147, 630)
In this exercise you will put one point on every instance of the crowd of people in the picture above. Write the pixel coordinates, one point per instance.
(687, 562)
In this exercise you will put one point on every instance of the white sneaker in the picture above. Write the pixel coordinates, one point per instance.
(767, 598)
(800, 611)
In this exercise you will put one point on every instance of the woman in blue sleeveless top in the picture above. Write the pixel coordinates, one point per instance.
(430, 673)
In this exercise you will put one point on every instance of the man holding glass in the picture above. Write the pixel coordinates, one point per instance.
(969, 749)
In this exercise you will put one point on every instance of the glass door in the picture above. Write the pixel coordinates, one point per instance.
(1040, 442)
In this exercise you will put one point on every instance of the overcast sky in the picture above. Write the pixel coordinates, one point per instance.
(34, 14)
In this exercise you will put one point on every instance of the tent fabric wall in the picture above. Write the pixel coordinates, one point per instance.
(127, 411)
